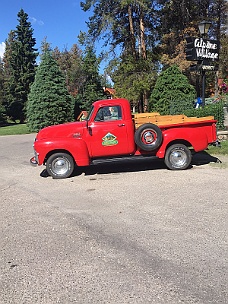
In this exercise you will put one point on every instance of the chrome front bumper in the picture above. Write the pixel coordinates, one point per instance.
(33, 161)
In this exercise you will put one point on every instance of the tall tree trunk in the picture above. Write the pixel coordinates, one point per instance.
(145, 102)
(132, 34)
(142, 52)
(140, 104)
(142, 34)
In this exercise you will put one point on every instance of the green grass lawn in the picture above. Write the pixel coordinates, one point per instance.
(14, 129)
(219, 150)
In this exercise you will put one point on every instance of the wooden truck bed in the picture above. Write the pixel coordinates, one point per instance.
(163, 120)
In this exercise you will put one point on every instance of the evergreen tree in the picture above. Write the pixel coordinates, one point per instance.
(91, 88)
(9, 82)
(172, 93)
(1, 83)
(49, 102)
(133, 79)
(21, 63)
(129, 25)
(2, 109)
(132, 27)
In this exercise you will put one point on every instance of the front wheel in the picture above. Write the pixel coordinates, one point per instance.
(60, 165)
(178, 157)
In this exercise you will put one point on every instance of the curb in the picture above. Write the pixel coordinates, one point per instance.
(222, 135)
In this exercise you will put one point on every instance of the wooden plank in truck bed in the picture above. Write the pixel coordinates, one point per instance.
(162, 120)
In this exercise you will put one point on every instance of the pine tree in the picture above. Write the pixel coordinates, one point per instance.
(129, 25)
(91, 88)
(2, 108)
(132, 27)
(133, 79)
(172, 93)
(21, 60)
(9, 83)
(49, 102)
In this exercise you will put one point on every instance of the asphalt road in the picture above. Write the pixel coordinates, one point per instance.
(129, 232)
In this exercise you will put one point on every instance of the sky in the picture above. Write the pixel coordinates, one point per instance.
(59, 21)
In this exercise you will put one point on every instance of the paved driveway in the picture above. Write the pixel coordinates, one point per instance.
(116, 233)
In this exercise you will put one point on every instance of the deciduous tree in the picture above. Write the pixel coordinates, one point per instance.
(70, 62)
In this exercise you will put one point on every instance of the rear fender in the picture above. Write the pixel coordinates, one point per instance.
(194, 137)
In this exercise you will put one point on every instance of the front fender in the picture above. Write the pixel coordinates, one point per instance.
(196, 137)
(76, 147)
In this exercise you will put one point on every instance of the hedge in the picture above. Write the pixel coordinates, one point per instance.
(215, 109)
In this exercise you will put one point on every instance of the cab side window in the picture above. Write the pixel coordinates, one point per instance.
(109, 113)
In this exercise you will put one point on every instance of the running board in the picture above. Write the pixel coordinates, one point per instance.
(124, 158)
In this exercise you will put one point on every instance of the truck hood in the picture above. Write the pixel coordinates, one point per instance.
(73, 129)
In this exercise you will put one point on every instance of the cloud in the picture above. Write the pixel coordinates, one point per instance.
(2, 49)
(33, 20)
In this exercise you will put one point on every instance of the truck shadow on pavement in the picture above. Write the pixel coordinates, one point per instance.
(121, 166)
(133, 165)
(124, 166)
(203, 158)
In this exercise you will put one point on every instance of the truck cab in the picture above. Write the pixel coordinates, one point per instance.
(110, 130)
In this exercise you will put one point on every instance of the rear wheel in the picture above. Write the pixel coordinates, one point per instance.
(178, 157)
(60, 165)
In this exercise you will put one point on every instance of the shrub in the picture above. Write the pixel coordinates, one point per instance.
(172, 93)
(213, 109)
(49, 102)
(2, 115)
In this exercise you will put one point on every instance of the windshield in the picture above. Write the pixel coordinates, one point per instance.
(90, 113)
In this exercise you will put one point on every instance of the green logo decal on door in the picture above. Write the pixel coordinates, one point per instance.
(109, 140)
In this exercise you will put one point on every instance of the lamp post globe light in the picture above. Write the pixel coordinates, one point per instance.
(203, 29)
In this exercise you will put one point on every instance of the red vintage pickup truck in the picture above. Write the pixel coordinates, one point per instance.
(112, 131)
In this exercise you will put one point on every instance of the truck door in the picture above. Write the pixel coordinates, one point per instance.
(108, 133)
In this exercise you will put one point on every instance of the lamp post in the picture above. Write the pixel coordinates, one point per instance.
(203, 29)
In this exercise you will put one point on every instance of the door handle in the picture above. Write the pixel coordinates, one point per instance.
(121, 125)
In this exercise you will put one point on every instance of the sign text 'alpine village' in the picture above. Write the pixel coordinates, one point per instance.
(202, 49)
(206, 49)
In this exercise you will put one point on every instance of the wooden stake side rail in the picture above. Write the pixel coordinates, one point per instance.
(160, 120)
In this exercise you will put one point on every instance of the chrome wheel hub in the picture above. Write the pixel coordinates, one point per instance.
(60, 166)
(178, 158)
